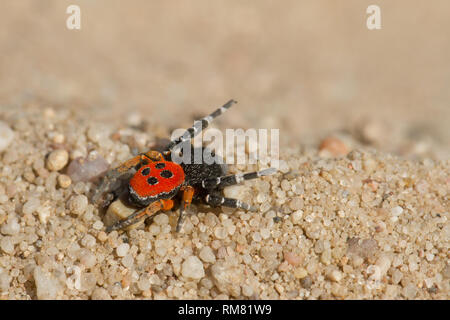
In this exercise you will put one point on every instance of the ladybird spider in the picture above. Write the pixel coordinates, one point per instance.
(152, 181)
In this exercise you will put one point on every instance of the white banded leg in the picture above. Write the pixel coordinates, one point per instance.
(218, 201)
(199, 126)
(225, 181)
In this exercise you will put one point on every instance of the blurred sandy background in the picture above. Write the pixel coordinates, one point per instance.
(307, 67)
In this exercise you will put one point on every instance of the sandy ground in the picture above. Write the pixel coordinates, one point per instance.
(360, 215)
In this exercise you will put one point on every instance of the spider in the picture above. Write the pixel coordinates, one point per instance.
(152, 181)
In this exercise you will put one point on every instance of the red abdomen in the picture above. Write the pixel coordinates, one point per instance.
(157, 180)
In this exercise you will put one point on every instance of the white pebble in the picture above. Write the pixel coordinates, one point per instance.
(335, 276)
(207, 255)
(88, 241)
(234, 191)
(57, 160)
(265, 233)
(11, 228)
(296, 217)
(44, 213)
(88, 259)
(247, 290)
(78, 204)
(128, 261)
(122, 249)
(220, 233)
(7, 245)
(161, 219)
(192, 268)
(6, 136)
(31, 206)
(144, 284)
(396, 211)
(5, 281)
(46, 286)
(98, 225)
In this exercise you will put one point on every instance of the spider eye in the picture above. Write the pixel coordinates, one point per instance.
(152, 181)
(166, 174)
(145, 172)
(160, 165)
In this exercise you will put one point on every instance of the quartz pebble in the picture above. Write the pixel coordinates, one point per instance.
(78, 204)
(82, 169)
(7, 244)
(207, 255)
(64, 181)
(57, 159)
(192, 268)
(100, 294)
(292, 258)
(47, 287)
(122, 249)
(333, 146)
(6, 136)
(12, 227)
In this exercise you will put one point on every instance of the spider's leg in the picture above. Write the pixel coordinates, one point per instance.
(198, 126)
(150, 210)
(188, 193)
(225, 181)
(115, 174)
(215, 200)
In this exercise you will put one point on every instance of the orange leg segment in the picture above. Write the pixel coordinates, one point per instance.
(188, 194)
(152, 209)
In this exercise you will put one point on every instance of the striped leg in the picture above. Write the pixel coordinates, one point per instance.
(188, 193)
(199, 126)
(225, 181)
(215, 200)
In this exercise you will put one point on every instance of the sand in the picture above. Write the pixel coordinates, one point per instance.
(362, 225)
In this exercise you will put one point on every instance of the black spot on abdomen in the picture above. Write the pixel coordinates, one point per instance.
(152, 181)
(166, 174)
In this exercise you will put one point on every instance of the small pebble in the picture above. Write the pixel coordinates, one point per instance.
(81, 169)
(333, 146)
(5, 281)
(306, 282)
(7, 244)
(6, 136)
(100, 294)
(47, 287)
(207, 255)
(78, 204)
(335, 275)
(234, 192)
(12, 227)
(292, 258)
(396, 211)
(57, 159)
(44, 213)
(192, 268)
(122, 249)
(98, 225)
(64, 181)
(300, 273)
